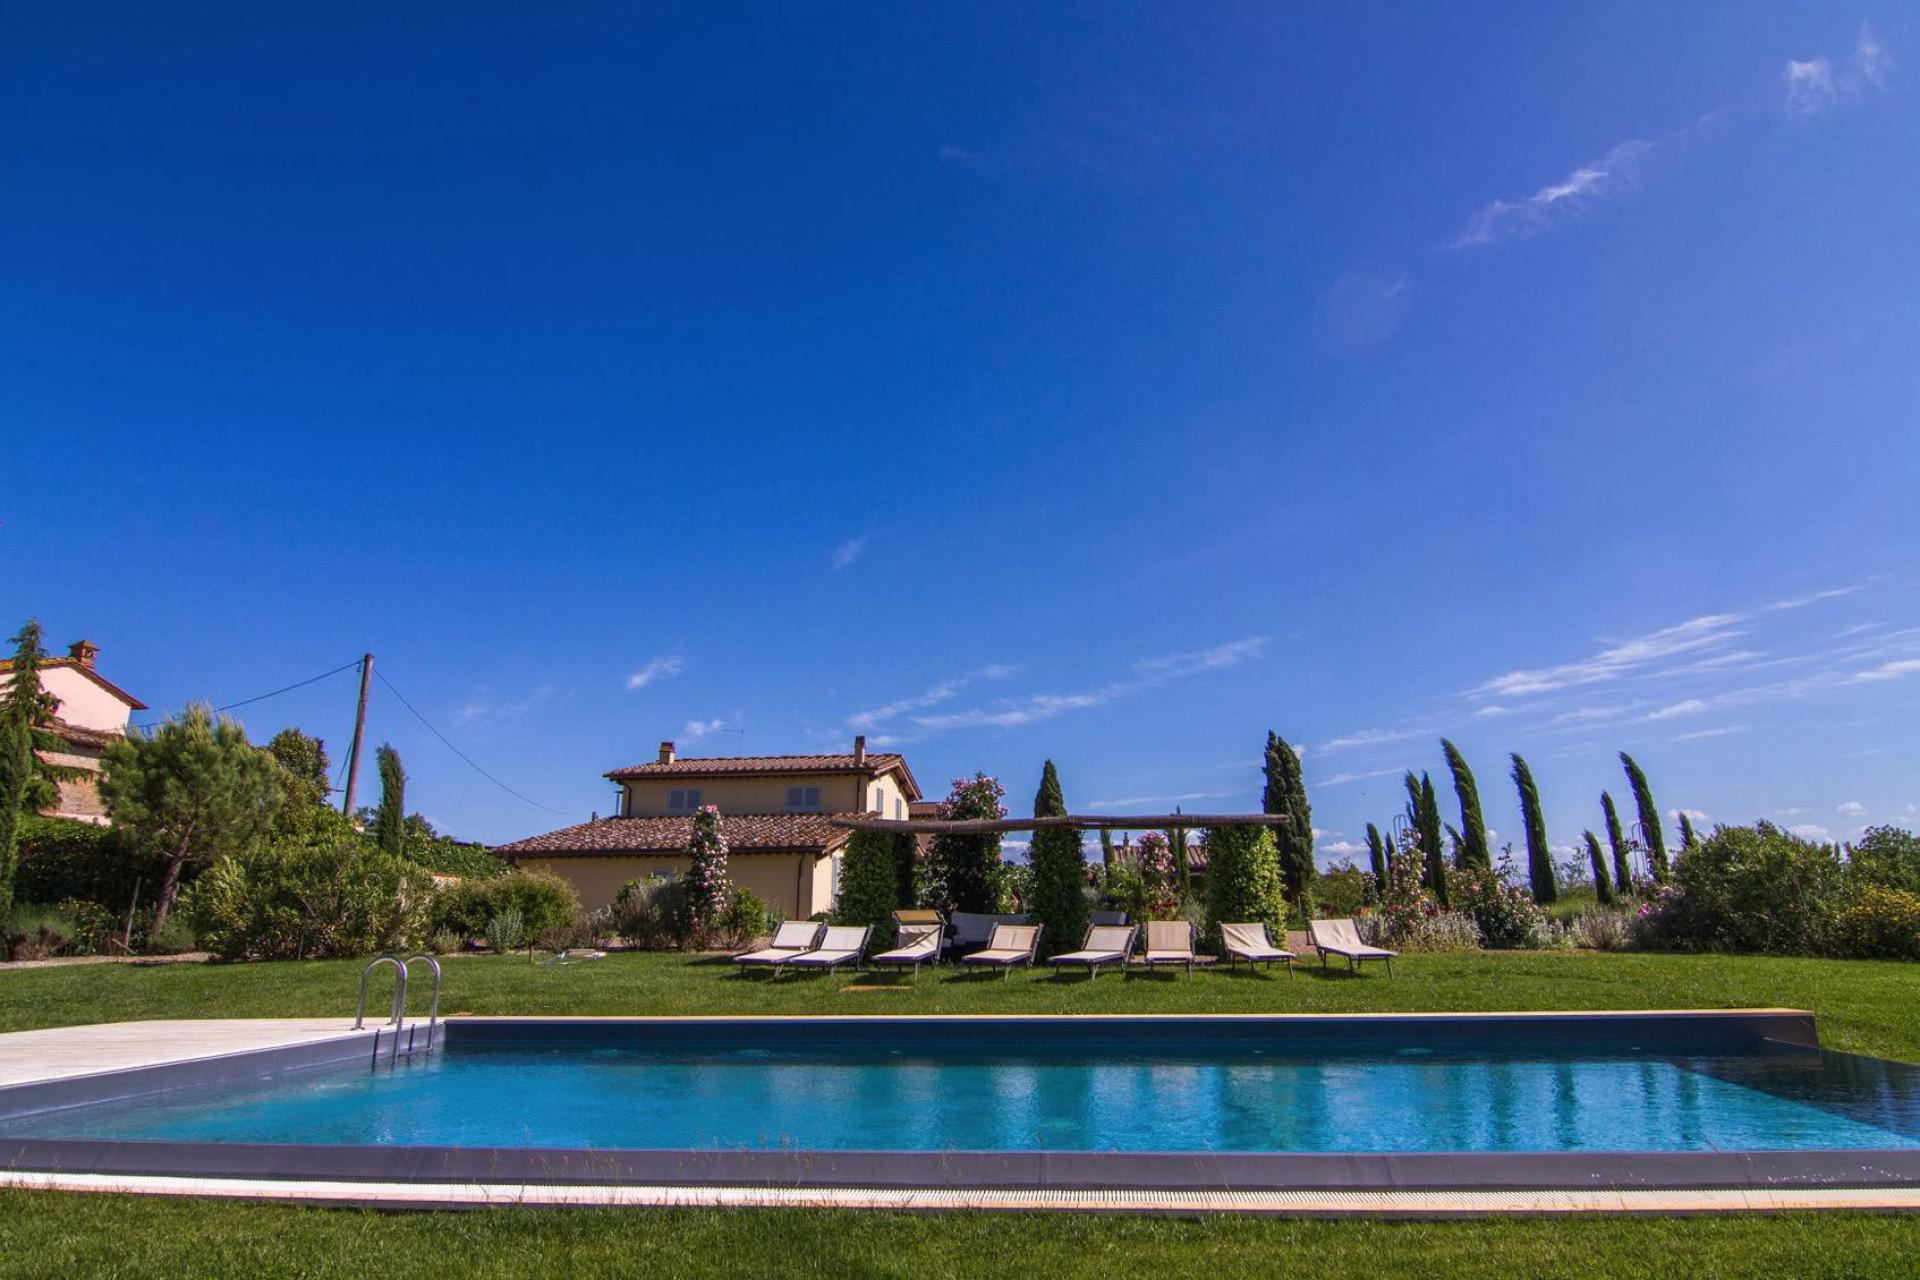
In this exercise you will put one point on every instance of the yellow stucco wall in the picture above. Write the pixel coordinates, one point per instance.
(798, 885)
(767, 793)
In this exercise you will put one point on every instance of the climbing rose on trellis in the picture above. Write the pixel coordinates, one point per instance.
(709, 892)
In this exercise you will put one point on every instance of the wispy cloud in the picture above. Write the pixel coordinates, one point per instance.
(1127, 802)
(941, 691)
(1851, 809)
(657, 669)
(850, 550)
(1886, 671)
(701, 728)
(1816, 86)
(1620, 171)
(1685, 707)
(483, 707)
(1618, 658)
(1369, 738)
(1701, 734)
(1342, 779)
(1154, 672)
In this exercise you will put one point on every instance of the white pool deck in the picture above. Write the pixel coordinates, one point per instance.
(61, 1053)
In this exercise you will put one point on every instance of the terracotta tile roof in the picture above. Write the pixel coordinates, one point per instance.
(6, 664)
(80, 733)
(746, 766)
(745, 832)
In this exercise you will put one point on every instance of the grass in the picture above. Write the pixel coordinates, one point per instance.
(1863, 1006)
(60, 1237)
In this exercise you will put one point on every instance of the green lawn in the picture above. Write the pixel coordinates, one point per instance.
(1863, 1006)
(61, 1237)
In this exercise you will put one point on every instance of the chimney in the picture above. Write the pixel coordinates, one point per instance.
(82, 652)
(859, 750)
(666, 753)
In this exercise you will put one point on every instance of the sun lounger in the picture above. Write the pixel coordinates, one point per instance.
(1250, 942)
(972, 930)
(918, 944)
(1009, 946)
(1107, 917)
(1105, 944)
(793, 938)
(1169, 942)
(841, 944)
(1342, 938)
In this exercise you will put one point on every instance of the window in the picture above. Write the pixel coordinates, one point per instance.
(803, 799)
(879, 799)
(620, 803)
(899, 806)
(683, 799)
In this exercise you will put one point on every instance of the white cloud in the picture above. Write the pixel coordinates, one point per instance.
(1792, 811)
(1810, 831)
(1618, 658)
(1695, 814)
(1013, 713)
(1815, 86)
(1699, 734)
(849, 551)
(1369, 738)
(1685, 707)
(1615, 174)
(657, 669)
(1341, 848)
(1341, 779)
(942, 692)
(1494, 709)
(1887, 671)
(482, 707)
(1852, 808)
(1184, 796)
(701, 728)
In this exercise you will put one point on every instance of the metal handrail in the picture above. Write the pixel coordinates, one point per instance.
(433, 1010)
(399, 991)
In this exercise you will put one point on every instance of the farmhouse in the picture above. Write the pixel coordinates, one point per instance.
(775, 812)
(89, 712)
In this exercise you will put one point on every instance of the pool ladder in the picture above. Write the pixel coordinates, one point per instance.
(397, 1015)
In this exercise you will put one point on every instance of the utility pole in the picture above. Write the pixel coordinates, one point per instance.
(359, 724)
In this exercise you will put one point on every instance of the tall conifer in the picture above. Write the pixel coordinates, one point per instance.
(1650, 828)
(1473, 826)
(1539, 856)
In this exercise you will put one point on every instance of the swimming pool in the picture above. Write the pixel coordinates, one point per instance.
(1277, 1101)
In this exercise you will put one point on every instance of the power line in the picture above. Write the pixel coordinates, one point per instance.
(290, 688)
(382, 676)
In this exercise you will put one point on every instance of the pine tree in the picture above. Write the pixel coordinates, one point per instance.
(1617, 841)
(869, 885)
(1377, 860)
(1687, 837)
(390, 819)
(709, 892)
(1286, 793)
(190, 790)
(1649, 818)
(1473, 826)
(1059, 871)
(1539, 856)
(1602, 887)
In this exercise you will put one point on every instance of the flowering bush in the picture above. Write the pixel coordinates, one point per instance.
(1602, 929)
(1162, 879)
(1441, 931)
(1404, 902)
(1880, 924)
(708, 891)
(964, 870)
(1507, 916)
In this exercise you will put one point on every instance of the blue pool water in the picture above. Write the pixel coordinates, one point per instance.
(992, 1097)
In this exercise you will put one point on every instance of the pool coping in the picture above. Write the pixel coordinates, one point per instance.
(1888, 1178)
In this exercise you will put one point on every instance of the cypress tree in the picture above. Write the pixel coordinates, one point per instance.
(1617, 841)
(1687, 837)
(1602, 888)
(1649, 818)
(1377, 858)
(906, 868)
(1539, 856)
(1430, 839)
(1243, 878)
(1106, 848)
(1286, 792)
(26, 782)
(1059, 871)
(869, 884)
(1473, 826)
(390, 819)
(1177, 845)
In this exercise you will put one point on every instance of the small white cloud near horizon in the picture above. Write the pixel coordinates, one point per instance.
(1814, 86)
(1810, 831)
(695, 729)
(850, 550)
(1852, 808)
(657, 669)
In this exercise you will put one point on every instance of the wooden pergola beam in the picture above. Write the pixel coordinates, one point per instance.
(1080, 821)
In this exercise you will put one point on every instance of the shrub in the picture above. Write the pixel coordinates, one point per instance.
(707, 888)
(68, 928)
(650, 914)
(1754, 889)
(747, 917)
(1602, 929)
(61, 859)
(331, 895)
(1341, 890)
(1243, 878)
(1507, 916)
(1404, 901)
(505, 931)
(1879, 924)
(543, 900)
(869, 884)
(964, 870)
(1441, 931)
(446, 942)
(1888, 857)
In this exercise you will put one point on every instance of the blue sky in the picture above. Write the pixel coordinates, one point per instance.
(1109, 383)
